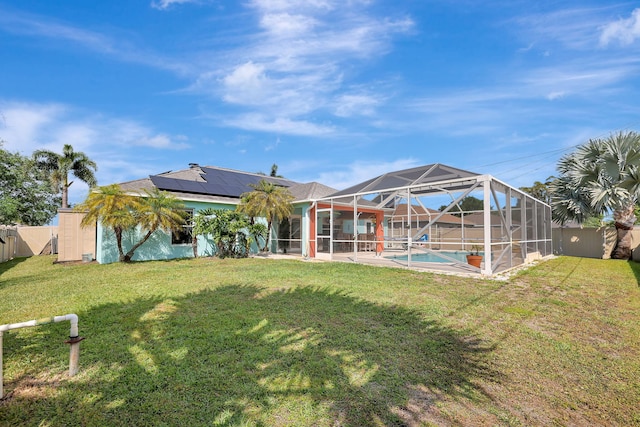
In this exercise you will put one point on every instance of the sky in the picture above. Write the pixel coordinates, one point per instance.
(334, 91)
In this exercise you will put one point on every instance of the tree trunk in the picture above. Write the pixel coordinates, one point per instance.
(118, 233)
(194, 245)
(624, 219)
(65, 197)
(268, 239)
(129, 255)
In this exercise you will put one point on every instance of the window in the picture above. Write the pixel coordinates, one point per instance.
(184, 236)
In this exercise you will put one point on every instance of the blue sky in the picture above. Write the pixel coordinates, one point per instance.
(331, 91)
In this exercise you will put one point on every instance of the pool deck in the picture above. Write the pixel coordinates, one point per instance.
(371, 258)
(384, 260)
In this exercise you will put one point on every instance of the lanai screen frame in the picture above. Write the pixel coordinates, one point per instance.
(516, 228)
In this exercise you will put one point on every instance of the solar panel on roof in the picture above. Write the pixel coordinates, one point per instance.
(217, 182)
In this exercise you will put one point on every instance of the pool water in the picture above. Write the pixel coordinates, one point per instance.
(432, 257)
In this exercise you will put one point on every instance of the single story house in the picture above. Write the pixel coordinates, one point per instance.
(384, 220)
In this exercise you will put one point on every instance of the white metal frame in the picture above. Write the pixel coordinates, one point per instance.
(499, 242)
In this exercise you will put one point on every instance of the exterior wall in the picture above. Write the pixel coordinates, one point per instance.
(590, 242)
(74, 242)
(159, 246)
(33, 240)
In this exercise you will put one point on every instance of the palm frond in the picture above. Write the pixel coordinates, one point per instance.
(598, 177)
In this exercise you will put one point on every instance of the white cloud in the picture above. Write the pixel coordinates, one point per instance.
(466, 112)
(165, 4)
(287, 25)
(246, 84)
(625, 31)
(282, 125)
(294, 65)
(556, 95)
(36, 25)
(288, 66)
(348, 105)
(489, 110)
(347, 175)
(161, 141)
(575, 28)
(133, 134)
(580, 78)
(276, 94)
(273, 146)
(113, 143)
(24, 124)
(283, 5)
(43, 26)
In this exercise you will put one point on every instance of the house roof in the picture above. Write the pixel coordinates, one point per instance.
(140, 185)
(214, 181)
(407, 177)
(211, 183)
(310, 191)
(478, 217)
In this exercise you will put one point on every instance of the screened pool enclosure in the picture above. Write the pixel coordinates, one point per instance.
(421, 218)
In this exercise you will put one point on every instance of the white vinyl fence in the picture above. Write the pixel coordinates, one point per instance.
(8, 242)
(19, 241)
(591, 242)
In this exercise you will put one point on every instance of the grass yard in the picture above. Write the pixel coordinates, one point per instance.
(261, 342)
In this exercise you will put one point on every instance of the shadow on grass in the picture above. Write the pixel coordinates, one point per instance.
(7, 265)
(241, 355)
(635, 267)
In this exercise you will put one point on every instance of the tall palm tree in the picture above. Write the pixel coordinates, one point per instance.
(269, 201)
(601, 177)
(58, 166)
(122, 212)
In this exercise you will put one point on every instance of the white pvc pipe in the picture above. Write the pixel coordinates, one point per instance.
(73, 318)
(74, 340)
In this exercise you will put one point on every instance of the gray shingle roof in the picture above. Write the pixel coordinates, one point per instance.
(211, 183)
(310, 191)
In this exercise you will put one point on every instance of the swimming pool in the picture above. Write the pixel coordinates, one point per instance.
(460, 256)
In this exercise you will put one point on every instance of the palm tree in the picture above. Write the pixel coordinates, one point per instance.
(540, 190)
(600, 177)
(269, 201)
(58, 166)
(122, 212)
(160, 211)
(113, 208)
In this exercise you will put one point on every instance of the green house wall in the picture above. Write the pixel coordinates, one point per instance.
(159, 246)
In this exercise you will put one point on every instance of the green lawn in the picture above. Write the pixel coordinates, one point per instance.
(261, 342)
